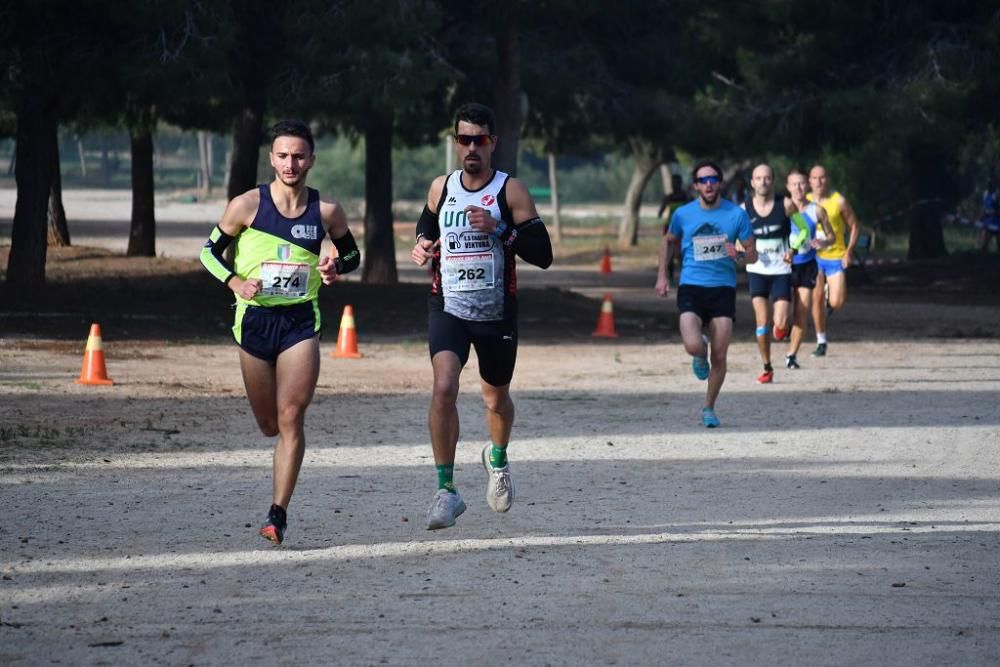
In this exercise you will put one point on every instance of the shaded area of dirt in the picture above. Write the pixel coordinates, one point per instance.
(175, 299)
(171, 299)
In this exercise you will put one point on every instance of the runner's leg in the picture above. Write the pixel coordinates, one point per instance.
(499, 412)
(760, 315)
(819, 304)
(838, 290)
(803, 300)
(690, 328)
(297, 371)
(261, 386)
(720, 331)
(443, 415)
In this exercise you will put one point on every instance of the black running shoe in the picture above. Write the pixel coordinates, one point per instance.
(820, 350)
(273, 529)
(790, 362)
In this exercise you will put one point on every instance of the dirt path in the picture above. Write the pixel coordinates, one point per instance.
(847, 514)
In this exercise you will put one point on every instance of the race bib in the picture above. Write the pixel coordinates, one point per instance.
(467, 273)
(284, 279)
(771, 252)
(708, 248)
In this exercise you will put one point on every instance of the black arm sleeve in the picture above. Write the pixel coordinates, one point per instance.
(530, 240)
(349, 257)
(212, 256)
(427, 225)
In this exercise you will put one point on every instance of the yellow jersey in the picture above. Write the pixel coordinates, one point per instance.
(832, 204)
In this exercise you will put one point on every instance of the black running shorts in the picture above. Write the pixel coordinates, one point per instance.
(804, 275)
(266, 332)
(707, 302)
(495, 342)
(777, 287)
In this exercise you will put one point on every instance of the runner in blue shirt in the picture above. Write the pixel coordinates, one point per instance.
(989, 219)
(707, 230)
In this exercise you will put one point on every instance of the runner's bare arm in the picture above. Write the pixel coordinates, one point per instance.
(348, 256)
(749, 249)
(239, 214)
(851, 219)
(665, 257)
(428, 231)
(823, 220)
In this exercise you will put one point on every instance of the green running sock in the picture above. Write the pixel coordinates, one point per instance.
(498, 455)
(446, 474)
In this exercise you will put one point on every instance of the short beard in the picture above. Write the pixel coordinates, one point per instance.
(714, 199)
(473, 168)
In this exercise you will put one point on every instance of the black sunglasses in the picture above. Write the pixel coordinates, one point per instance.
(477, 139)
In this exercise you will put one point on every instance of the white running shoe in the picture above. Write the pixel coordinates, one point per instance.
(445, 508)
(499, 486)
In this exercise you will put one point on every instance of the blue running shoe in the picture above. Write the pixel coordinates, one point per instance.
(709, 419)
(700, 367)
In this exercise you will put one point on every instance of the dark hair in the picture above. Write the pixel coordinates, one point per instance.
(293, 128)
(477, 114)
(705, 163)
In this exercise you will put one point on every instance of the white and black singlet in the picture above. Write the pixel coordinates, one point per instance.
(475, 274)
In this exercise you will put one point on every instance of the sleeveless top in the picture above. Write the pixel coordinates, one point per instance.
(475, 272)
(771, 234)
(832, 207)
(282, 252)
(804, 227)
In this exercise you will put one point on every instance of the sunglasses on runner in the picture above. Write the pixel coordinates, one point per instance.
(705, 180)
(477, 139)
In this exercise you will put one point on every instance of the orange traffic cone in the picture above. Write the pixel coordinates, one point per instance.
(94, 371)
(347, 338)
(606, 320)
(606, 261)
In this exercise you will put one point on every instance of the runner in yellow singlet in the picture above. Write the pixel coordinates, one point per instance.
(834, 259)
(276, 274)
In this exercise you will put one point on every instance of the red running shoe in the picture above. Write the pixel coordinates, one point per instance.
(273, 529)
(765, 377)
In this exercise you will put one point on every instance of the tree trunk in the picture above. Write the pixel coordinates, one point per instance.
(142, 233)
(510, 102)
(926, 233)
(205, 162)
(927, 171)
(83, 157)
(246, 152)
(105, 161)
(380, 247)
(449, 154)
(36, 130)
(646, 162)
(666, 179)
(58, 230)
(554, 194)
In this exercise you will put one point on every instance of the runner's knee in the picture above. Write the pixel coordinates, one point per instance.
(445, 390)
(268, 425)
(498, 402)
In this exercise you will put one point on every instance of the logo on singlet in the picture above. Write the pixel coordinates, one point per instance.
(284, 252)
(468, 241)
(454, 219)
(488, 200)
(304, 232)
